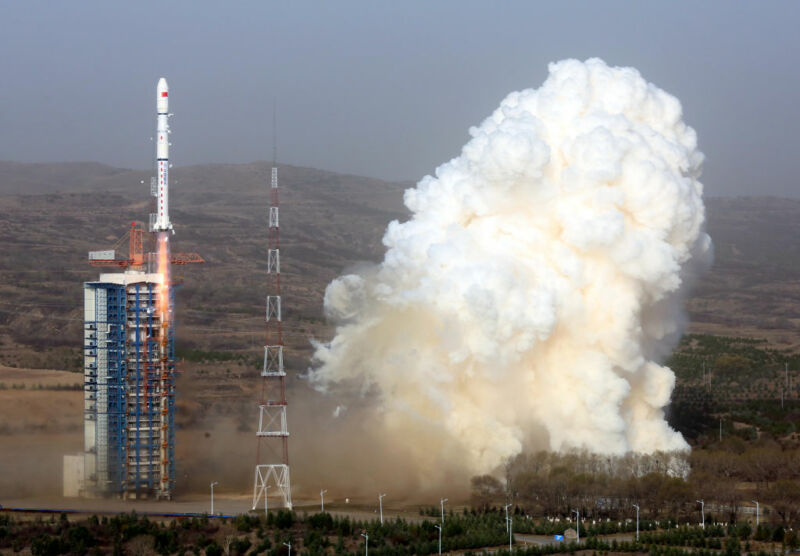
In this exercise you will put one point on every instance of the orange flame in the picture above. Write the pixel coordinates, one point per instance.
(164, 272)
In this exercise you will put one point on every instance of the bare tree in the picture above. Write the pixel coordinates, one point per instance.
(784, 496)
(141, 545)
(486, 489)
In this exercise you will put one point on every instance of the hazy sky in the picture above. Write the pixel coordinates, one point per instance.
(385, 89)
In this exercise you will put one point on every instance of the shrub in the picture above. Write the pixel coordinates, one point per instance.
(778, 534)
(284, 519)
(240, 546)
(213, 549)
(48, 545)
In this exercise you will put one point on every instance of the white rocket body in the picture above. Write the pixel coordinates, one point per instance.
(162, 223)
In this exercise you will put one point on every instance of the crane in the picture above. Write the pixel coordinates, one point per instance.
(136, 256)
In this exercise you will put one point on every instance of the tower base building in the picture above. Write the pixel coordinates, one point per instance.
(129, 392)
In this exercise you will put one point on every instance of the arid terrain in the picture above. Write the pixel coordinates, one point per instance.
(52, 214)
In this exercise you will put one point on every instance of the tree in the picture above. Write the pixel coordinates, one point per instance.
(47, 545)
(791, 540)
(732, 364)
(763, 464)
(784, 497)
(676, 493)
(141, 545)
(485, 490)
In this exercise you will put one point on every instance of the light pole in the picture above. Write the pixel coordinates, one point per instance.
(212, 497)
(756, 503)
(637, 521)
(290, 547)
(439, 527)
(578, 513)
(380, 503)
(441, 503)
(702, 513)
(366, 546)
(507, 506)
(322, 500)
(510, 525)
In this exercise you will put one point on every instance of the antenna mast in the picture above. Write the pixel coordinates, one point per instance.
(272, 470)
(274, 136)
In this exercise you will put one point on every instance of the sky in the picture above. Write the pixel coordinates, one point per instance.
(377, 88)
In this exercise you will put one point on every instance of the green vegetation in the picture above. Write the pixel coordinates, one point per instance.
(751, 388)
(728, 358)
(323, 533)
(39, 354)
(210, 356)
(247, 534)
(55, 387)
(727, 475)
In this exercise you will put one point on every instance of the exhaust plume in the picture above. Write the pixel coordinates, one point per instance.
(531, 298)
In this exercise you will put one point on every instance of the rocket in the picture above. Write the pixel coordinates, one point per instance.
(162, 223)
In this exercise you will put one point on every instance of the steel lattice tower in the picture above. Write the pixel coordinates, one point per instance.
(272, 468)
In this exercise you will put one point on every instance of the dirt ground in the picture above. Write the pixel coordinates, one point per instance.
(39, 425)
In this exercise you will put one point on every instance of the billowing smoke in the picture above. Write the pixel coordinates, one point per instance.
(531, 298)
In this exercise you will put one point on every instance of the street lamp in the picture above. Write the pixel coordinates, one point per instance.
(290, 547)
(510, 525)
(702, 512)
(380, 503)
(756, 503)
(322, 500)
(578, 513)
(441, 503)
(212, 497)
(507, 506)
(637, 521)
(439, 527)
(366, 546)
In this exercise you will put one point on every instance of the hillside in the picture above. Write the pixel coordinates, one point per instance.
(52, 214)
(329, 221)
(752, 289)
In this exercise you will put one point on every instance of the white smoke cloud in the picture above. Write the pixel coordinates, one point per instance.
(539, 283)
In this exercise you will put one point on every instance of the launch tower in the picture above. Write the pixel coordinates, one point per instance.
(129, 353)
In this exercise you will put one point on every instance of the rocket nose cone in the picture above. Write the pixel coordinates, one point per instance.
(162, 86)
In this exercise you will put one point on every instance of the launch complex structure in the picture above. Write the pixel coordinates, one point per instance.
(129, 354)
(129, 360)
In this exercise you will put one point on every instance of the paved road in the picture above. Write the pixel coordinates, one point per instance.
(534, 539)
(548, 539)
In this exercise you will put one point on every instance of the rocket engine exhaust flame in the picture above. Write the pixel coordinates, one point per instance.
(530, 300)
(163, 269)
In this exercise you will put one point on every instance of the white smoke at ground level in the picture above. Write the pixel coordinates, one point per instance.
(532, 297)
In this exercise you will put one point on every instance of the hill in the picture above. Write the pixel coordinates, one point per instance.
(52, 214)
(752, 289)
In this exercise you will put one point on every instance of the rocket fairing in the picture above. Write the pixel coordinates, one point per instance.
(162, 223)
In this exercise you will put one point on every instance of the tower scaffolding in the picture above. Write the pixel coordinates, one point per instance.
(128, 396)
